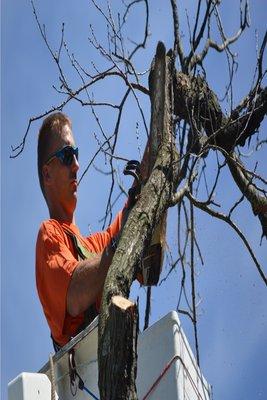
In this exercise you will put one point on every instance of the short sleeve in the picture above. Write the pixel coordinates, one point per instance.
(55, 264)
(100, 240)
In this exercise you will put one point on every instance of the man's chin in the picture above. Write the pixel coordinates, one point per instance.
(74, 189)
(73, 200)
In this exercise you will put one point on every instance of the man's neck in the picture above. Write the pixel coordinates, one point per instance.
(62, 215)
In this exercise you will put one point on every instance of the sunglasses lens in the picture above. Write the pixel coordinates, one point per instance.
(68, 157)
(69, 153)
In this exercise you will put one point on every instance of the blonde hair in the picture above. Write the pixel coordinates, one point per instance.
(52, 126)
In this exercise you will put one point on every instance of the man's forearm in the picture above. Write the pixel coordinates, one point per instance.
(89, 277)
(87, 282)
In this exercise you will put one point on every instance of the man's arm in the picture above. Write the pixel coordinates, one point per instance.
(89, 276)
(87, 282)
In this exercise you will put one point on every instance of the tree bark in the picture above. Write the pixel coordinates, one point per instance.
(154, 200)
(119, 356)
(198, 105)
(257, 200)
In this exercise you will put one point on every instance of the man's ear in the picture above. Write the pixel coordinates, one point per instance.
(46, 174)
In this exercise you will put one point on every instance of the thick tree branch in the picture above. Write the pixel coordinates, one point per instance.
(258, 201)
(198, 105)
(147, 212)
(195, 102)
(119, 355)
(241, 126)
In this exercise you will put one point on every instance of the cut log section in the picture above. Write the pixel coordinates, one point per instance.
(119, 356)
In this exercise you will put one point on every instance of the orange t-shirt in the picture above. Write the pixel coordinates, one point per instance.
(56, 259)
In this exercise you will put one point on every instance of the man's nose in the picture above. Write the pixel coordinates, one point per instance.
(75, 164)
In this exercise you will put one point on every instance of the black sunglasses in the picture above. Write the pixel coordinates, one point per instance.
(65, 155)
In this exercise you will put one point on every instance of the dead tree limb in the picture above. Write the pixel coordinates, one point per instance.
(122, 327)
(258, 201)
(154, 200)
(196, 103)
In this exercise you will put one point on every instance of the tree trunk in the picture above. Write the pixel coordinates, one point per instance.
(154, 200)
(122, 326)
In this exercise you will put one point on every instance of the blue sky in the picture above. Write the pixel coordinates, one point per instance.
(232, 314)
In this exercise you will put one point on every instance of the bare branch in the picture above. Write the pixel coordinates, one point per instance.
(258, 202)
(108, 19)
(55, 55)
(192, 265)
(143, 44)
(260, 58)
(93, 159)
(198, 58)
(226, 219)
(186, 313)
(196, 22)
(17, 150)
(177, 197)
(177, 47)
(260, 144)
(182, 252)
(205, 112)
(196, 41)
(148, 307)
(116, 130)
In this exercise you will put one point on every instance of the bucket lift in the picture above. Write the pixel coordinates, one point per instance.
(167, 369)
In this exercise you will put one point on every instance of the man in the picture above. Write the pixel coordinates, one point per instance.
(70, 269)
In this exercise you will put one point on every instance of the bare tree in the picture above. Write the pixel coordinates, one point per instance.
(189, 129)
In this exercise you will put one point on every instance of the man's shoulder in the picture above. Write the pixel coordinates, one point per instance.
(50, 227)
(55, 228)
(50, 235)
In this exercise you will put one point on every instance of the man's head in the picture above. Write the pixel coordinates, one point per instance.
(57, 164)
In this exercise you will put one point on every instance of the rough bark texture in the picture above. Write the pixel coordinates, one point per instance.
(257, 200)
(154, 200)
(196, 103)
(120, 350)
(245, 120)
(152, 259)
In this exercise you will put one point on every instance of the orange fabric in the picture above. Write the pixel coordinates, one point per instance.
(55, 263)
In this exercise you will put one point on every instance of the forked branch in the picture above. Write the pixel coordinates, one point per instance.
(204, 207)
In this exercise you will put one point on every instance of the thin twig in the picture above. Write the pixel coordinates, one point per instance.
(148, 307)
(192, 264)
(225, 218)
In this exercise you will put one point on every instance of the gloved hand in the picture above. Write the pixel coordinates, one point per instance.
(149, 268)
(133, 168)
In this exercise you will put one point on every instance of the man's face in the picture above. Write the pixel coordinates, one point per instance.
(61, 180)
